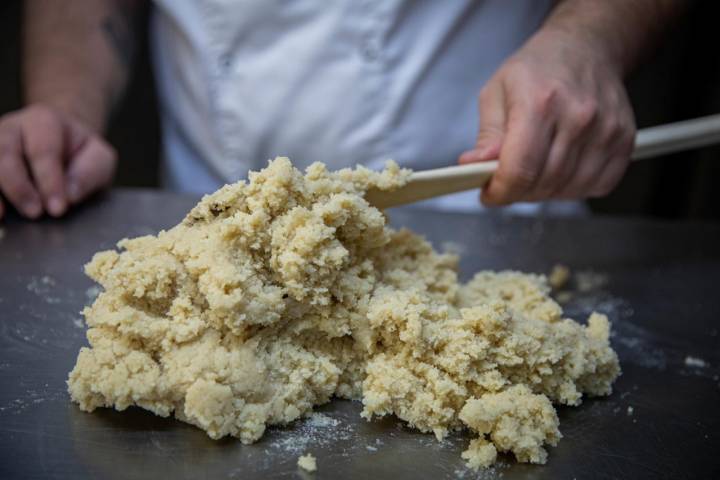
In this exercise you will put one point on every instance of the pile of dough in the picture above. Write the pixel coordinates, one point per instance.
(275, 295)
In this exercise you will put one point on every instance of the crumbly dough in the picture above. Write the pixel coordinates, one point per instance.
(307, 462)
(559, 276)
(275, 295)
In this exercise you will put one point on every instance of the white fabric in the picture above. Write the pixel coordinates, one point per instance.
(342, 82)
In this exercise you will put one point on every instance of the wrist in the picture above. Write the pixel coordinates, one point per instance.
(592, 46)
(611, 31)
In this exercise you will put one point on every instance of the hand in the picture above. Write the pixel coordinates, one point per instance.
(49, 161)
(557, 117)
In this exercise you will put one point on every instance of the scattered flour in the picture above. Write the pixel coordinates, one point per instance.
(630, 411)
(318, 430)
(695, 362)
(42, 287)
(319, 420)
(454, 248)
(92, 293)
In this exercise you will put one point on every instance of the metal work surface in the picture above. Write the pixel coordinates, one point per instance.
(658, 283)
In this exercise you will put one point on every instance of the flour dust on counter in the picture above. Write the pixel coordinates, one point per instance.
(275, 295)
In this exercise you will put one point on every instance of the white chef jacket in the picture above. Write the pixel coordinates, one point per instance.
(343, 82)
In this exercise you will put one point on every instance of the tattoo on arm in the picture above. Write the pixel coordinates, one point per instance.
(119, 29)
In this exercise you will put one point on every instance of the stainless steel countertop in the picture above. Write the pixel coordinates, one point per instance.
(657, 281)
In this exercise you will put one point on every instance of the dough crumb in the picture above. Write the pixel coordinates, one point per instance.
(559, 276)
(630, 411)
(307, 462)
(588, 281)
(564, 297)
(695, 362)
(278, 294)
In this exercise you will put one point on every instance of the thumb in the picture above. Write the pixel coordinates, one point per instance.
(91, 168)
(492, 126)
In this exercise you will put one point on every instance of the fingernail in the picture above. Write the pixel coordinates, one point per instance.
(56, 206)
(32, 209)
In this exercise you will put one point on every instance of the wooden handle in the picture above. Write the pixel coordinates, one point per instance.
(650, 142)
(676, 137)
(426, 184)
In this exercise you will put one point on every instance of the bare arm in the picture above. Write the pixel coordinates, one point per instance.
(623, 30)
(76, 60)
(77, 55)
(556, 113)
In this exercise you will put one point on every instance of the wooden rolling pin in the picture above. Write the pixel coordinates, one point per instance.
(650, 142)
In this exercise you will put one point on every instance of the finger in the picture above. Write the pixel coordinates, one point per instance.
(492, 126)
(575, 128)
(591, 164)
(603, 162)
(526, 145)
(557, 169)
(91, 168)
(609, 177)
(481, 155)
(568, 170)
(620, 153)
(15, 183)
(615, 168)
(43, 146)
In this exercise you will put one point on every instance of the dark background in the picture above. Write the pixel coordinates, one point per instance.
(679, 80)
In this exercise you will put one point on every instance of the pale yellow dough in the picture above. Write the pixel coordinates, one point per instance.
(307, 462)
(275, 295)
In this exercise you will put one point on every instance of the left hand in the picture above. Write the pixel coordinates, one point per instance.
(557, 116)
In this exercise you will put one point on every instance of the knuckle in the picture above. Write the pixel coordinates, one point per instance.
(611, 130)
(544, 98)
(44, 148)
(584, 113)
(104, 152)
(42, 113)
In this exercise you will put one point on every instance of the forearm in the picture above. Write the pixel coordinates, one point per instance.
(619, 30)
(77, 55)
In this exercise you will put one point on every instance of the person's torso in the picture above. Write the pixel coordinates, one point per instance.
(342, 82)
